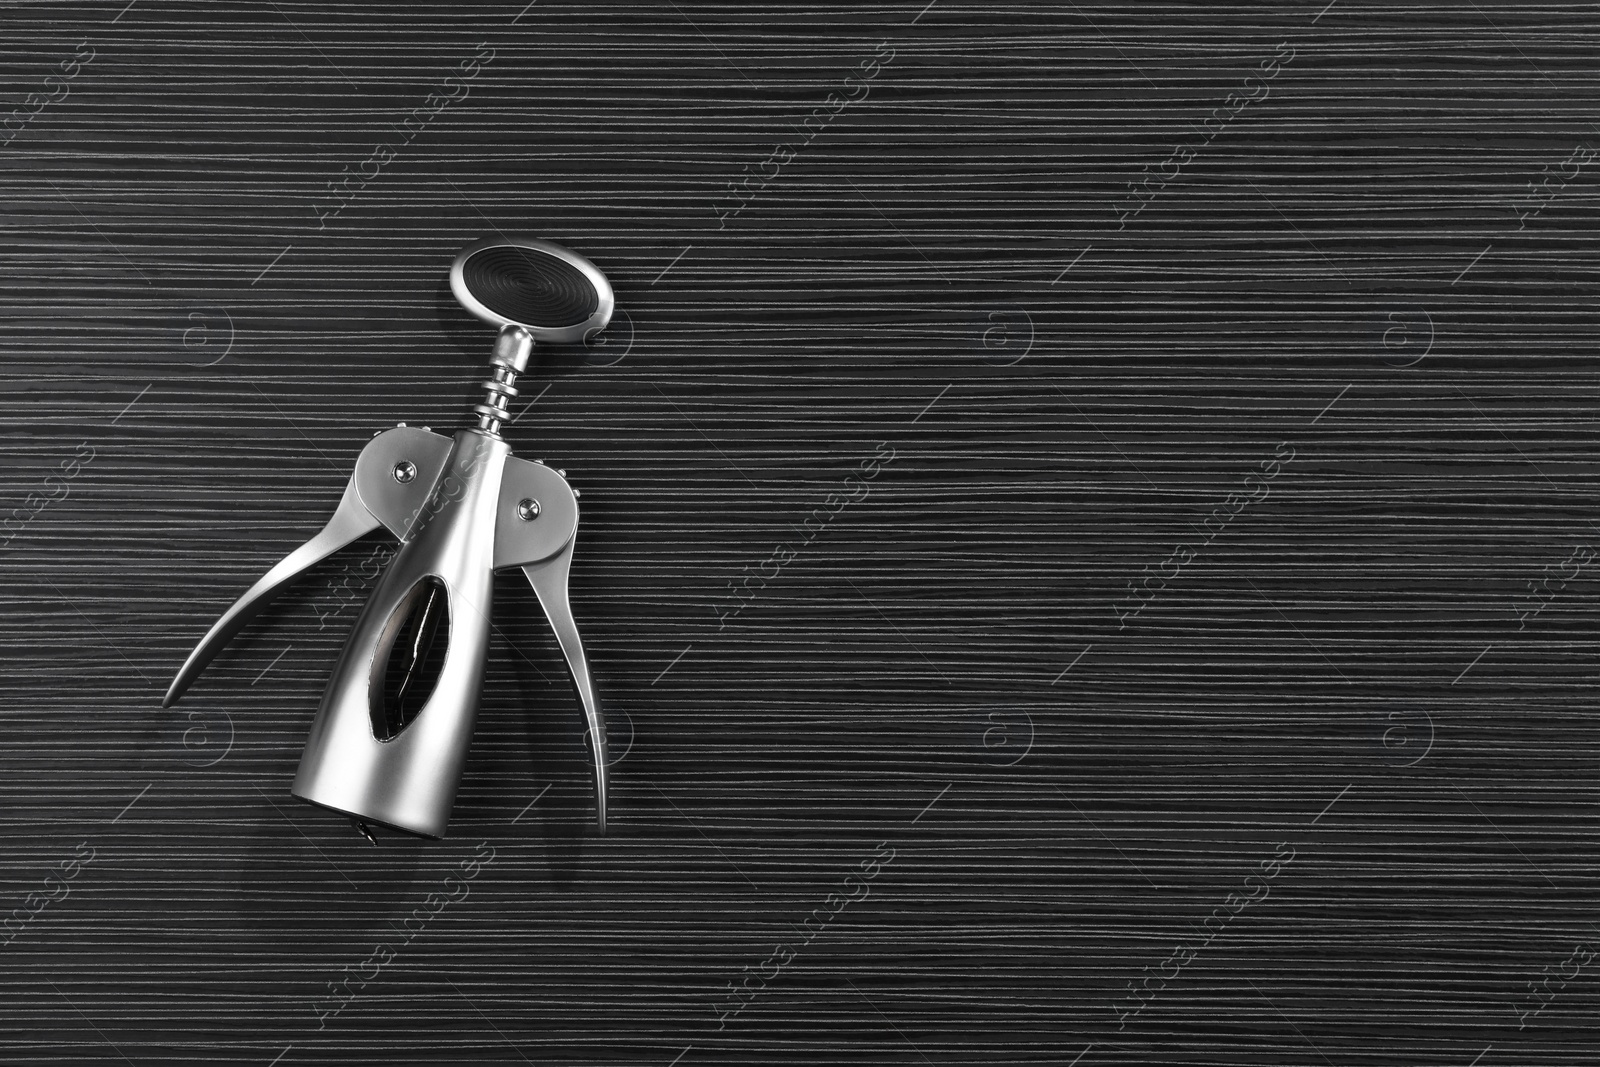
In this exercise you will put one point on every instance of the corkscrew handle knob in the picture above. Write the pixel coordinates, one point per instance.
(553, 293)
(534, 291)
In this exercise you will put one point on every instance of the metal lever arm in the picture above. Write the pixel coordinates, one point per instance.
(350, 521)
(394, 475)
(536, 531)
(549, 581)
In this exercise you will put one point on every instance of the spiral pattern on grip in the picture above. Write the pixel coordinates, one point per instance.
(530, 287)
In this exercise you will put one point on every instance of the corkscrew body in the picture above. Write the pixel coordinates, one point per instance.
(390, 738)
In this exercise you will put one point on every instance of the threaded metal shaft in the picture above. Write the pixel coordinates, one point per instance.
(511, 351)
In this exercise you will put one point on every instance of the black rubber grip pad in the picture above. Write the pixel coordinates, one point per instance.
(529, 287)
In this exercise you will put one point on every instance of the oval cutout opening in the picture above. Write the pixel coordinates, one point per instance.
(410, 658)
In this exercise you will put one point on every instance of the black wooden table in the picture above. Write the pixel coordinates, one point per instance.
(1088, 537)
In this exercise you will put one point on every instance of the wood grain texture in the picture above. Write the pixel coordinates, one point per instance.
(1240, 507)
